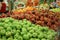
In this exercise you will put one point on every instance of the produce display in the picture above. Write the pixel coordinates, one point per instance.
(3, 15)
(32, 2)
(44, 6)
(23, 10)
(44, 18)
(30, 20)
(11, 29)
(55, 10)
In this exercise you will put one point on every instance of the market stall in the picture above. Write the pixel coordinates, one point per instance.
(30, 20)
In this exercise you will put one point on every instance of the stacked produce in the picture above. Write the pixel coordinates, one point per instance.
(23, 10)
(11, 29)
(44, 6)
(44, 18)
(4, 15)
(55, 10)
